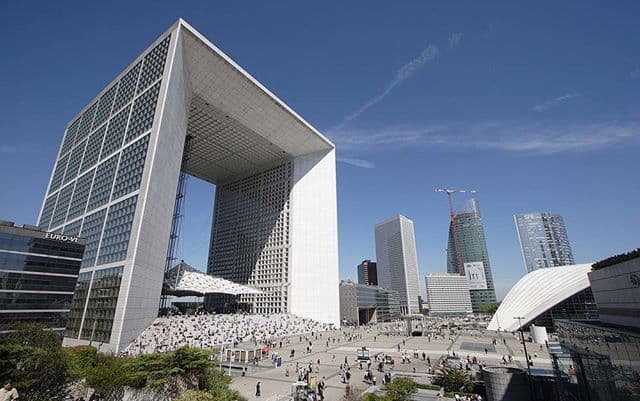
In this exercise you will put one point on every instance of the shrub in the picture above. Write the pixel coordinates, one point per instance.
(196, 395)
(401, 389)
(453, 379)
(80, 359)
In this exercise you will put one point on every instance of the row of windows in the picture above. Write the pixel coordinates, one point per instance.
(102, 304)
(91, 230)
(251, 234)
(35, 282)
(108, 138)
(21, 243)
(46, 319)
(117, 229)
(21, 300)
(136, 80)
(30, 263)
(77, 305)
(91, 193)
(130, 170)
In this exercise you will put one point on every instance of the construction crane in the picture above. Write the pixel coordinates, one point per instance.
(456, 241)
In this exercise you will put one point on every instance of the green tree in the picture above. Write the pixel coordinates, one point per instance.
(401, 389)
(34, 360)
(109, 373)
(453, 380)
(489, 308)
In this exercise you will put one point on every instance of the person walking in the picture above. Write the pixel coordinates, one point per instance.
(8, 392)
(258, 389)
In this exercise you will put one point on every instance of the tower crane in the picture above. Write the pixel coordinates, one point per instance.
(456, 240)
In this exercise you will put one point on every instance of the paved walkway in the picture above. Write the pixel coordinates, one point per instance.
(274, 382)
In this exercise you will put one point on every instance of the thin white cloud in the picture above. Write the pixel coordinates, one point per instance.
(635, 74)
(356, 162)
(547, 104)
(501, 135)
(405, 72)
(454, 39)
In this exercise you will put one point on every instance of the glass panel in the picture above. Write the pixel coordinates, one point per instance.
(102, 304)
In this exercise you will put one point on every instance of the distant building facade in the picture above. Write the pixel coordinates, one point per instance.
(367, 273)
(39, 271)
(397, 260)
(543, 240)
(448, 294)
(467, 254)
(363, 304)
(616, 290)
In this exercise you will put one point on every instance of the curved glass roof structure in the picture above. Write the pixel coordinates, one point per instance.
(537, 292)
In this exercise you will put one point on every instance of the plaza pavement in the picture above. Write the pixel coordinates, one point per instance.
(275, 385)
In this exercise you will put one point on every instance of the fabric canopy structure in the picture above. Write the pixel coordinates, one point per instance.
(184, 280)
(537, 292)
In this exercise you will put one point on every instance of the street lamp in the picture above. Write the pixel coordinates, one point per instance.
(93, 330)
(526, 356)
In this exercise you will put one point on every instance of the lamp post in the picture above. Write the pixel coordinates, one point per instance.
(526, 356)
(93, 330)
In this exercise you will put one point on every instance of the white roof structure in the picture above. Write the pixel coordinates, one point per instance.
(537, 292)
(183, 279)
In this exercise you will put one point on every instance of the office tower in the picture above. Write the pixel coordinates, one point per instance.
(543, 240)
(448, 294)
(39, 272)
(467, 254)
(367, 273)
(184, 107)
(364, 304)
(397, 260)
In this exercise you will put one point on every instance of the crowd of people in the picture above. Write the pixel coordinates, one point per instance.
(212, 330)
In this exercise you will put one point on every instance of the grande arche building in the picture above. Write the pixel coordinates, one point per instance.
(185, 106)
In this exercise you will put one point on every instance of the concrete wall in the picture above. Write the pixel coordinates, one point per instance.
(505, 384)
(616, 290)
(313, 267)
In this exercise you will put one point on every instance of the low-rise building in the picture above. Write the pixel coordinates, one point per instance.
(615, 283)
(600, 359)
(38, 272)
(448, 294)
(363, 304)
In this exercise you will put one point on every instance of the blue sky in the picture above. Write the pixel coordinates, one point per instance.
(535, 106)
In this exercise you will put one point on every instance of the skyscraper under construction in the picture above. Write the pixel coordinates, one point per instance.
(467, 253)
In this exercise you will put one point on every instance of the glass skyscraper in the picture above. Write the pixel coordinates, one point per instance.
(467, 250)
(397, 260)
(543, 240)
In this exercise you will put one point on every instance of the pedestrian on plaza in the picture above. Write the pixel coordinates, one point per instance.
(258, 389)
(423, 356)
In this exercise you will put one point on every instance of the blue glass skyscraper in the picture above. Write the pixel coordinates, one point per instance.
(467, 250)
(543, 240)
